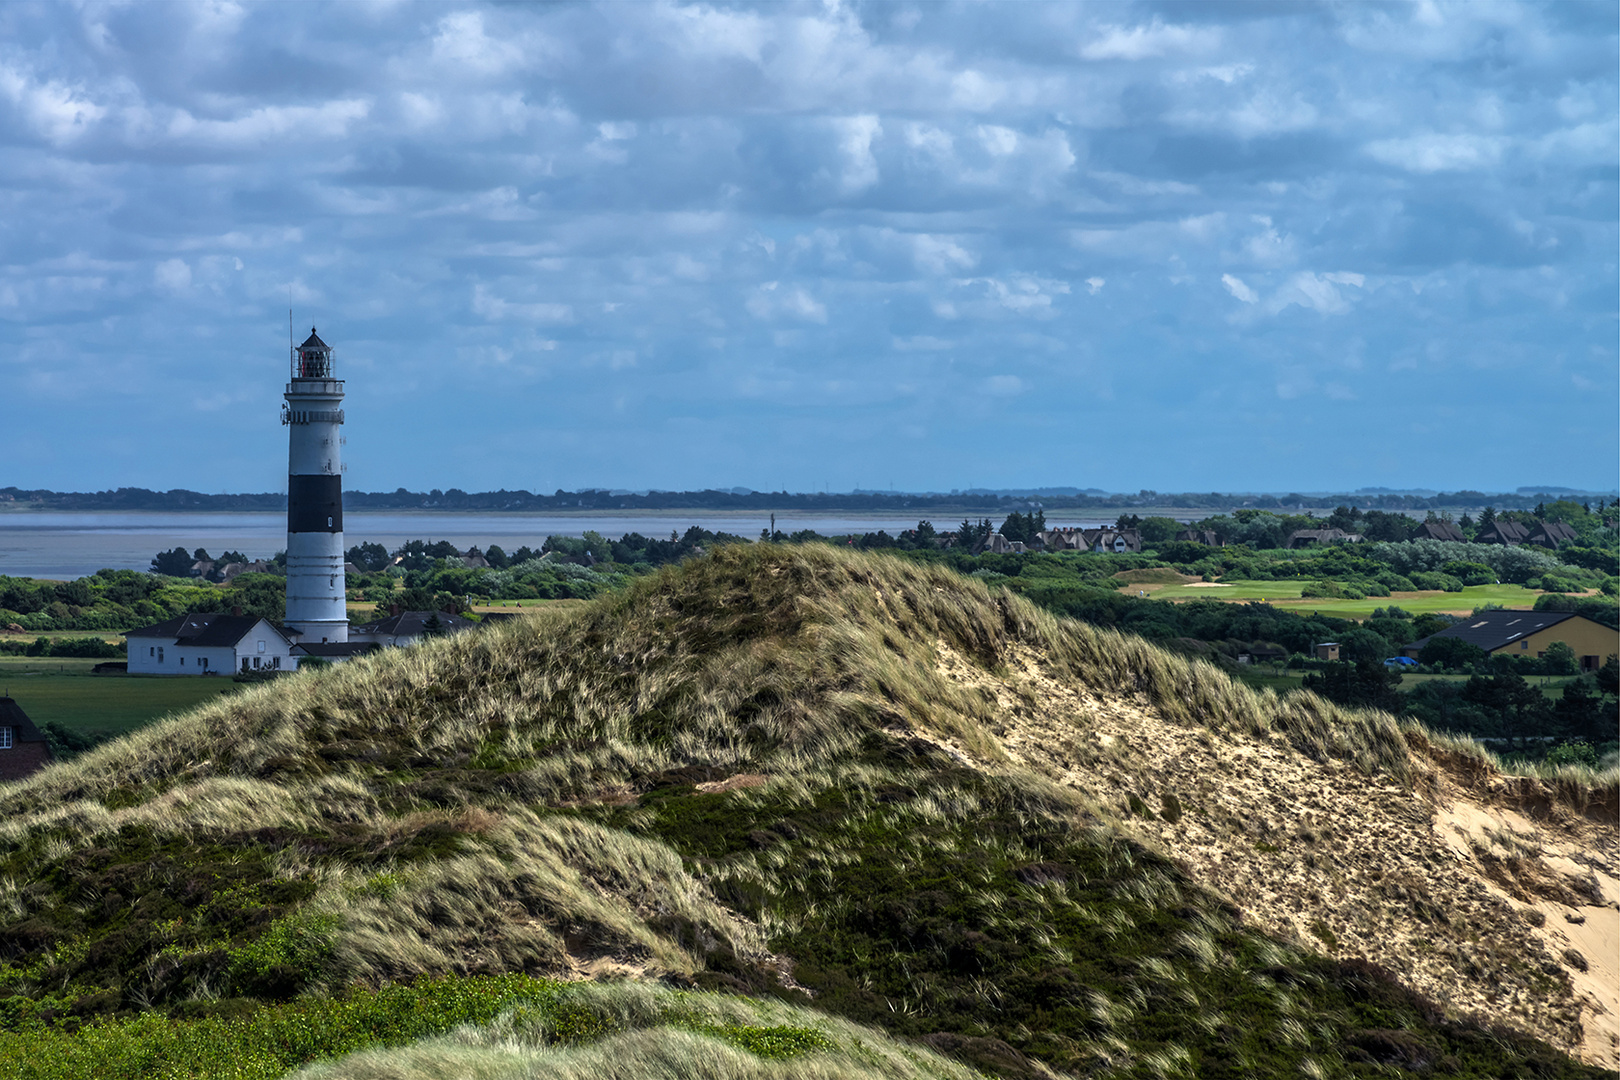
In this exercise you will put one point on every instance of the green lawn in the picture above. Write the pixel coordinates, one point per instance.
(1285, 594)
(65, 691)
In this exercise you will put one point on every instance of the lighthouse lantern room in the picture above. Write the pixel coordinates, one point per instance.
(313, 415)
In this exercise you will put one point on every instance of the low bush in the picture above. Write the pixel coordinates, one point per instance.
(1428, 580)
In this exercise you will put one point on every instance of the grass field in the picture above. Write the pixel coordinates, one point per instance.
(1285, 594)
(66, 692)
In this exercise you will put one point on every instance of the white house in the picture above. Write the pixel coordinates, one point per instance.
(209, 644)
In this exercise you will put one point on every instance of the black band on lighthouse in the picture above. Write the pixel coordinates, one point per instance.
(314, 504)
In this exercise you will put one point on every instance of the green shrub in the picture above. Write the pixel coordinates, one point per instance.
(292, 954)
(1429, 580)
(1471, 573)
(1573, 753)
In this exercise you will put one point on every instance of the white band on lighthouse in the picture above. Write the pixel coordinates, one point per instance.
(313, 415)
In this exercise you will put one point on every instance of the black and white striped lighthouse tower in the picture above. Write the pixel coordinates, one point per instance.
(314, 418)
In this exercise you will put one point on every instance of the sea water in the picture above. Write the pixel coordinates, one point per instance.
(70, 544)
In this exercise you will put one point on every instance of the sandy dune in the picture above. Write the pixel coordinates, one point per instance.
(1469, 885)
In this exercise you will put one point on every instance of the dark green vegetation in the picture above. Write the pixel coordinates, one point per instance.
(540, 798)
(260, 1042)
(118, 600)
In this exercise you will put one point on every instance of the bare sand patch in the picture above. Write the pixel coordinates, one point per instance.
(1207, 585)
(1571, 904)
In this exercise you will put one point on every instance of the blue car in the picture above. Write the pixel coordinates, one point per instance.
(1400, 661)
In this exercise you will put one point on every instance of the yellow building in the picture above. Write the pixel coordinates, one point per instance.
(1528, 633)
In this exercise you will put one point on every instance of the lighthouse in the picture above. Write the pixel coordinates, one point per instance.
(313, 415)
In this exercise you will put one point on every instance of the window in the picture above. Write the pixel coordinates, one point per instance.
(182, 661)
(160, 654)
(255, 661)
(1524, 645)
(151, 650)
(244, 663)
(5, 738)
(261, 646)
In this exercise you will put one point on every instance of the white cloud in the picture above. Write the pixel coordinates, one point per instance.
(1432, 153)
(1237, 288)
(56, 110)
(1316, 292)
(462, 45)
(1145, 42)
(1268, 247)
(998, 141)
(493, 307)
(973, 91)
(173, 275)
(1095, 284)
(771, 301)
(855, 137)
(1023, 294)
(940, 255)
(331, 120)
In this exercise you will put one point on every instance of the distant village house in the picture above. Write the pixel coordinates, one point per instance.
(1528, 633)
(1303, 538)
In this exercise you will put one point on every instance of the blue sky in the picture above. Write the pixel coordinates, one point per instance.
(1180, 246)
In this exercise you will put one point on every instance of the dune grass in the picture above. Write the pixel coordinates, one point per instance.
(628, 1031)
(538, 797)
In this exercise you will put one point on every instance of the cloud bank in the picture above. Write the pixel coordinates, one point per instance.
(677, 245)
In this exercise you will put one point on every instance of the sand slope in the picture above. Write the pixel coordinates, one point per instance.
(1460, 882)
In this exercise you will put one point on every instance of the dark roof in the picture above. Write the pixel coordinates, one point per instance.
(12, 716)
(411, 623)
(1505, 532)
(208, 629)
(314, 341)
(1555, 532)
(335, 648)
(1491, 630)
(1441, 530)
